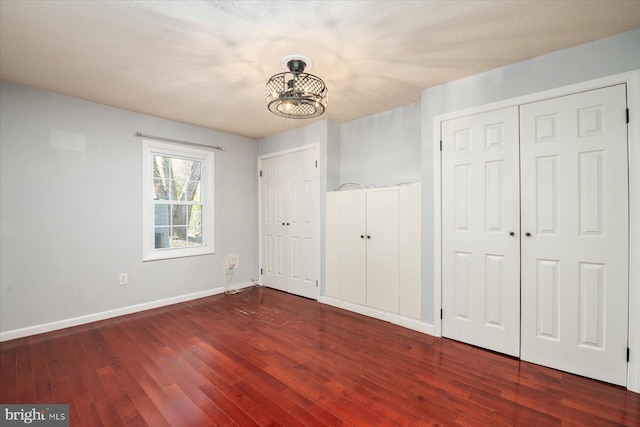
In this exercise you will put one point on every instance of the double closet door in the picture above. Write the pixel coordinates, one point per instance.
(535, 232)
(289, 198)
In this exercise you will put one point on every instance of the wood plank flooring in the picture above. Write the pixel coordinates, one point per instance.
(266, 358)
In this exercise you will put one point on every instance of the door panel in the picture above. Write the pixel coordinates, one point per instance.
(382, 250)
(302, 212)
(480, 258)
(575, 261)
(274, 252)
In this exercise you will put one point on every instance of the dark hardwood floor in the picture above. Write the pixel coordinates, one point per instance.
(264, 357)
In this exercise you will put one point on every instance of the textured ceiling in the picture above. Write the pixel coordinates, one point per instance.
(206, 62)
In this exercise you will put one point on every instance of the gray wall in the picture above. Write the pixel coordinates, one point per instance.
(586, 62)
(383, 149)
(71, 209)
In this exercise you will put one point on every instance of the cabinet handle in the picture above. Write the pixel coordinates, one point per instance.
(527, 234)
(368, 237)
(362, 236)
(511, 233)
(288, 224)
(283, 223)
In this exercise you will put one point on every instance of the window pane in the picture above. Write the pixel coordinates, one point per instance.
(161, 237)
(160, 189)
(194, 233)
(176, 178)
(194, 191)
(187, 178)
(178, 237)
(163, 186)
(162, 215)
(178, 226)
(180, 169)
(179, 215)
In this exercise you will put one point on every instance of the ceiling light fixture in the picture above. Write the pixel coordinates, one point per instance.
(295, 94)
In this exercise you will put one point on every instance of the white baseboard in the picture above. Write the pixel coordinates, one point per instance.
(81, 320)
(394, 318)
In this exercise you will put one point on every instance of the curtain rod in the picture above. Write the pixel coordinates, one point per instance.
(143, 135)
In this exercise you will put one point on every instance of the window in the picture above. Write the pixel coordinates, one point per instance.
(178, 201)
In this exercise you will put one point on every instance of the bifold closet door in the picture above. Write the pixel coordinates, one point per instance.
(480, 230)
(575, 190)
(302, 223)
(290, 196)
(274, 212)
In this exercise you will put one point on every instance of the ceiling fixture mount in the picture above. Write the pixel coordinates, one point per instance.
(295, 94)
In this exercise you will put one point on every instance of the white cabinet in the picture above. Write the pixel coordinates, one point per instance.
(289, 211)
(373, 248)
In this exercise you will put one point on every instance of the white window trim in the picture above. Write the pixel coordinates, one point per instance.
(207, 157)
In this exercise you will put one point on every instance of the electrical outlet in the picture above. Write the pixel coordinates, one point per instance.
(233, 261)
(124, 279)
(229, 262)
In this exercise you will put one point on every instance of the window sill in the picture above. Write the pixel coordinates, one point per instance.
(177, 253)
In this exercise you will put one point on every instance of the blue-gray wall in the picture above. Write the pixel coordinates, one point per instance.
(383, 149)
(71, 209)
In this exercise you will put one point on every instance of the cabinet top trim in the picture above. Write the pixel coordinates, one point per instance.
(387, 188)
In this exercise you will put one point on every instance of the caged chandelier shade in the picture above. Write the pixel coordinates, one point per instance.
(295, 94)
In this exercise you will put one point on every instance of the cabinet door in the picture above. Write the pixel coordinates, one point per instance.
(410, 247)
(353, 244)
(332, 246)
(382, 250)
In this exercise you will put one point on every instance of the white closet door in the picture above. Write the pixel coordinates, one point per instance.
(353, 247)
(302, 223)
(383, 272)
(480, 231)
(273, 191)
(575, 208)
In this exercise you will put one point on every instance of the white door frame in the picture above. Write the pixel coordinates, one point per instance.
(282, 153)
(632, 80)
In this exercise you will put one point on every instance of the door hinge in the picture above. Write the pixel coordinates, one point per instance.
(627, 115)
(440, 145)
(260, 271)
(441, 314)
(260, 173)
(316, 163)
(316, 283)
(628, 354)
